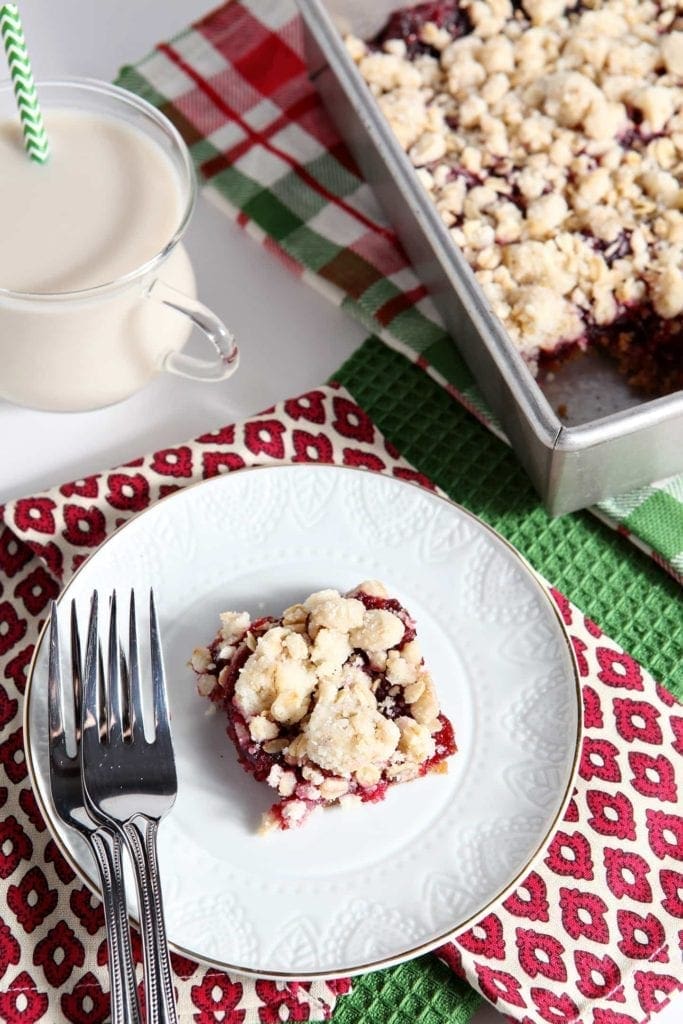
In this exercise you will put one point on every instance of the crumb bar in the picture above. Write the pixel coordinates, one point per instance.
(329, 704)
(550, 138)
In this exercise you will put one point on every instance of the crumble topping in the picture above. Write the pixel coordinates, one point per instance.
(328, 703)
(550, 137)
(233, 625)
(346, 733)
(277, 680)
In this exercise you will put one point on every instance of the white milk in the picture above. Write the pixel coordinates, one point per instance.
(107, 201)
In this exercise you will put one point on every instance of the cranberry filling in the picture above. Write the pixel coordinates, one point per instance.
(373, 794)
(615, 250)
(445, 746)
(406, 24)
(390, 604)
(393, 705)
(647, 348)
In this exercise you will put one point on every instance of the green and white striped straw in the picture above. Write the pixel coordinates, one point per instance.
(35, 137)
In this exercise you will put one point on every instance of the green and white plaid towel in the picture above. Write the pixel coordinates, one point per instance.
(236, 86)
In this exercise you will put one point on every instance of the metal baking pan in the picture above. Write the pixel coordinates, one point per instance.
(609, 441)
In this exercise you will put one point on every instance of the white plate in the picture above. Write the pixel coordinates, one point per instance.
(361, 888)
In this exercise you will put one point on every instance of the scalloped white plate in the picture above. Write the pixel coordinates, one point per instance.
(367, 887)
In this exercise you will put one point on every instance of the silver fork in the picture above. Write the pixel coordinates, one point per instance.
(70, 804)
(131, 783)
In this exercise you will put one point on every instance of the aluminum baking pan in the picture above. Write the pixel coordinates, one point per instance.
(609, 441)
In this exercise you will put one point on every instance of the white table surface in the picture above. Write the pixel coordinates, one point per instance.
(291, 338)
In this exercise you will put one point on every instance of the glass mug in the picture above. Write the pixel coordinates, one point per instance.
(85, 348)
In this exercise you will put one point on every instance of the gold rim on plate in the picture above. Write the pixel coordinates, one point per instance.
(56, 827)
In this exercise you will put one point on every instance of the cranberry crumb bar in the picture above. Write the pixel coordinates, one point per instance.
(550, 137)
(329, 704)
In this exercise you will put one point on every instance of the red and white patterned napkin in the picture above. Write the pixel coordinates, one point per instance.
(594, 933)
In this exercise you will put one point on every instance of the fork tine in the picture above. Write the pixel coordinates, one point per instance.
(160, 698)
(126, 723)
(137, 722)
(114, 707)
(54, 686)
(102, 700)
(76, 671)
(91, 706)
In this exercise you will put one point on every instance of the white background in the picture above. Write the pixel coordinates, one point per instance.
(291, 338)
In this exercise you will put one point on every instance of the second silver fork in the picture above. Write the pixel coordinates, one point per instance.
(130, 781)
(71, 805)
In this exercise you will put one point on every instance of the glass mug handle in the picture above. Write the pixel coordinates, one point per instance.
(227, 356)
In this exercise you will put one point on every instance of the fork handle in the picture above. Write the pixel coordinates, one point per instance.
(141, 837)
(125, 1008)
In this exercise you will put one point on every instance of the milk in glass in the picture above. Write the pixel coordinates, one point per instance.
(107, 202)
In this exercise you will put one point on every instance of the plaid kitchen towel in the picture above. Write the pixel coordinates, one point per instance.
(236, 86)
(589, 936)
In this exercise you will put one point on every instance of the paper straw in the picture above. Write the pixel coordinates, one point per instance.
(35, 137)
